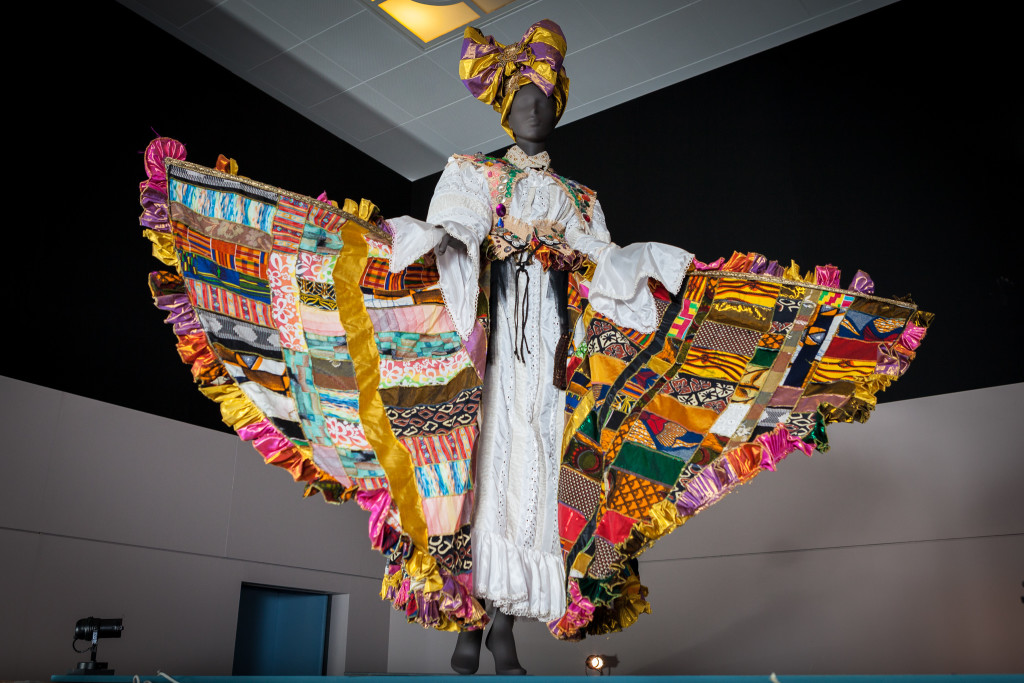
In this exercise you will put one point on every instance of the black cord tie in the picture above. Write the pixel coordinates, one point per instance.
(522, 312)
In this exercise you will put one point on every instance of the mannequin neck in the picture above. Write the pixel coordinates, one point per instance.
(531, 147)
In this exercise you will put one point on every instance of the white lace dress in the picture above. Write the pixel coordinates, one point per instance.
(517, 560)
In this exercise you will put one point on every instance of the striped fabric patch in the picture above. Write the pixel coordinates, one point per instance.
(717, 364)
(437, 448)
(221, 301)
(289, 222)
(443, 479)
(416, 276)
(747, 291)
(194, 266)
(226, 206)
(237, 257)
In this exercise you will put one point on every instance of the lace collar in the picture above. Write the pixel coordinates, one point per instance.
(517, 156)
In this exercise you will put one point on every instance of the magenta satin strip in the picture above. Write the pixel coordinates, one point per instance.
(777, 444)
(912, 336)
(827, 276)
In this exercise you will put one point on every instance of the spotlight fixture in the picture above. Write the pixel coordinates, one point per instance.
(92, 629)
(600, 663)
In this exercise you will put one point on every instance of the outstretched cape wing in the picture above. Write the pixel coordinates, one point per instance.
(350, 377)
(750, 362)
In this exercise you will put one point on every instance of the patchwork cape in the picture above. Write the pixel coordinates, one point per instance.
(354, 380)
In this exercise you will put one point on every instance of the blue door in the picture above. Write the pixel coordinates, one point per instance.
(280, 632)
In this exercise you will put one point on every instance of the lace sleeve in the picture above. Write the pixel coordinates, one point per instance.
(462, 198)
(590, 239)
(459, 208)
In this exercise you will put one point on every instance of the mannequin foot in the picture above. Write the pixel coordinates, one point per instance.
(466, 658)
(502, 644)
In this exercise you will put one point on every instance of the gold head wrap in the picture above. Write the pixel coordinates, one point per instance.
(494, 72)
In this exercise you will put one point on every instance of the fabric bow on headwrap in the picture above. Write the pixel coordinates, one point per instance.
(494, 72)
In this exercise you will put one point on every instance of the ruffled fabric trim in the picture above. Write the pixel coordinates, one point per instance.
(439, 600)
(520, 582)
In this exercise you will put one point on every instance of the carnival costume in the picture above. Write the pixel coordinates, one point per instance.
(604, 394)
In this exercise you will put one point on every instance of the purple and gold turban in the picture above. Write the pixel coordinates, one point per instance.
(494, 72)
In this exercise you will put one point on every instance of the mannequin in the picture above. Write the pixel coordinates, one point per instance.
(532, 118)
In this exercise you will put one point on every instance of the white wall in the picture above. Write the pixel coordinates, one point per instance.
(901, 550)
(111, 512)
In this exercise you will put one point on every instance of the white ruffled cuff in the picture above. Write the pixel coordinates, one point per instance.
(618, 289)
(459, 269)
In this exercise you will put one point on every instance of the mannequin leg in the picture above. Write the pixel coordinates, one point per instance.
(502, 644)
(466, 657)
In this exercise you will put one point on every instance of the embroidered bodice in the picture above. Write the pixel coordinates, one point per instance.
(519, 204)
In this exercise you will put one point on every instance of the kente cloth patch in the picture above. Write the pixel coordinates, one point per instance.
(433, 449)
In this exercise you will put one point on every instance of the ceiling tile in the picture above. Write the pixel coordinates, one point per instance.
(414, 148)
(618, 16)
(673, 41)
(306, 18)
(816, 7)
(304, 75)
(468, 122)
(420, 86)
(240, 36)
(741, 21)
(175, 13)
(591, 70)
(360, 113)
(446, 55)
(579, 26)
(365, 45)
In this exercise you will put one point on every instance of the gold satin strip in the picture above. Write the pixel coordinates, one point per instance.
(163, 247)
(392, 455)
(236, 409)
(583, 409)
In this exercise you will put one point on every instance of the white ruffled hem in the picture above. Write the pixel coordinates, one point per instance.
(520, 582)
